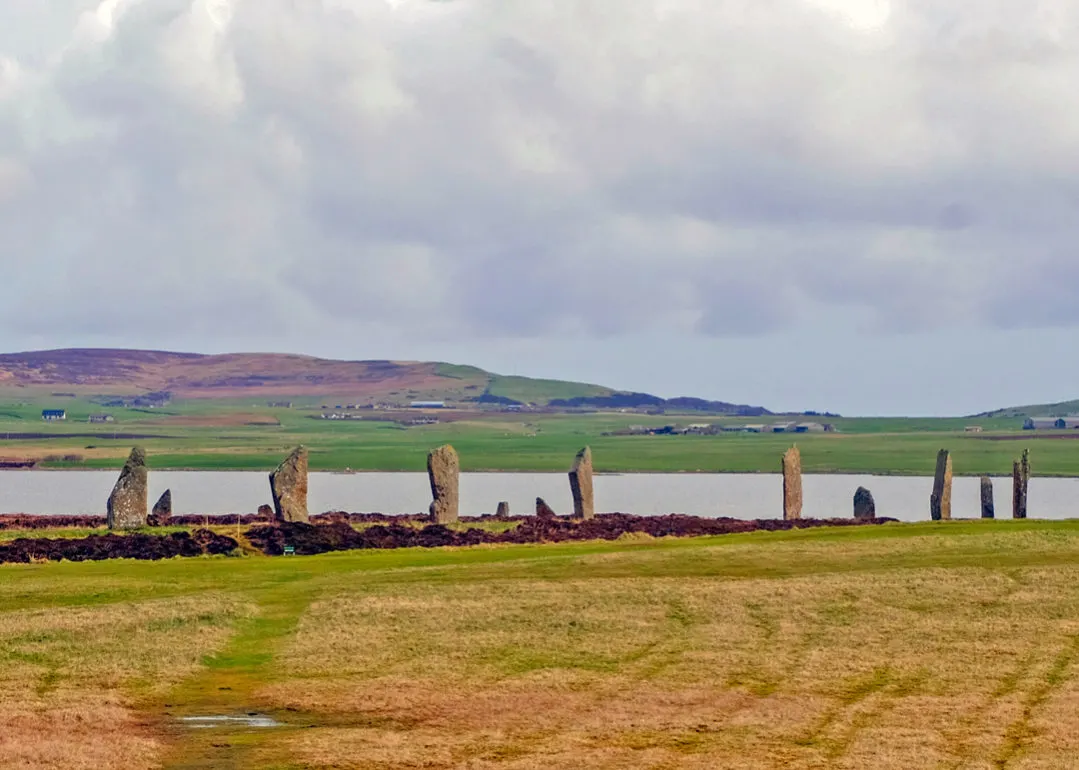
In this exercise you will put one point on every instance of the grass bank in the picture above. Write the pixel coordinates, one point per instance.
(927, 645)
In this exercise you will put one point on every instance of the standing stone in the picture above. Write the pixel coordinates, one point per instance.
(988, 508)
(503, 511)
(580, 483)
(792, 484)
(162, 510)
(288, 485)
(864, 505)
(129, 499)
(940, 502)
(544, 511)
(1020, 485)
(266, 512)
(443, 469)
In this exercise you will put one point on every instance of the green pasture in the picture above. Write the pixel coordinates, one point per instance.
(507, 441)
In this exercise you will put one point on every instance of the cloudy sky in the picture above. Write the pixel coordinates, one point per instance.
(868, 206)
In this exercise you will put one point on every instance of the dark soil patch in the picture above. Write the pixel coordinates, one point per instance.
(98, 547)
(336, 534)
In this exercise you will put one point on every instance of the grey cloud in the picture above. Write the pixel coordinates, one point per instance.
(520, 169)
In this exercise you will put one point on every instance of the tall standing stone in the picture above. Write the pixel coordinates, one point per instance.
(580, 483)
(129, 499)
(864, 505)
(1020, 485)
(988, 507)
(162, 510)
(792, 484)
(288, 485)
(940, 502)
(503, 511)
(443, 470)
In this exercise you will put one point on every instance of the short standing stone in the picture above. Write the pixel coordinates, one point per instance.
(266, 512)
(288, 485)
(503, 511)
(864, 505)
(443, 470)
(543, 510)
(129, 499)
(988, 508)
(940, 502)
(580, 483)
(792, 484)
(162, 510)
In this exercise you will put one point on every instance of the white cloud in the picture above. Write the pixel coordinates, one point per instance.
(476, 167)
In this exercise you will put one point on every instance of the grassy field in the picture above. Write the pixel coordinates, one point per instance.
(234, 434)
(950, 645)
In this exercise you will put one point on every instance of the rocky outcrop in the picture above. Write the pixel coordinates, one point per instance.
(940, 502)
(129, 499)
(580, 483)
(162, 510)
(988, 507)
(1020, 485)
(543, 510)
(443, 470)
(288, 485)
(864, 505)
(503, 510)
(792, 484)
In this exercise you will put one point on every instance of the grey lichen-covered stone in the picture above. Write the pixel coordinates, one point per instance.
(162, 510)
(988, 507)
(792, 484)
(129, 499)
(543, 510)
(580, 483)
(940, 502)
(864, 505)
(503, 511)
(444, 470)
(288, 485)
(1020, 485)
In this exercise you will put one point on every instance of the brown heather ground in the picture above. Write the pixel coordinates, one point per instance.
(952, 645)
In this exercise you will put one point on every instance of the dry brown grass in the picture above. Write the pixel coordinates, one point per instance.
(966, 667)
(71, 678)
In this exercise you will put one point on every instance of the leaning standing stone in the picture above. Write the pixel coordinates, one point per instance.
(580, 483)
(940, 502)
(988, 508)
(443, 470)
(162, 510)
(792, 484)
(864, 505)
(544, 511)
(129, 499)
(288, 485)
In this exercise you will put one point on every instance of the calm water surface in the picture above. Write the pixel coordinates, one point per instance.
(749, 496)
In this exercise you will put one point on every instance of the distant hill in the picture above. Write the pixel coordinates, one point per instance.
(97, 372)
(1059, 409)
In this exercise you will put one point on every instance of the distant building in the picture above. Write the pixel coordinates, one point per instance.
(428, 405)
(52, 415)
(1051, 423)
(752, 428)
(809, 427)
(973, 429)
(100, 418)
(782, 427)
(279, 404)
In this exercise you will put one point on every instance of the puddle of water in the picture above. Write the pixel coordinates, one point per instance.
(221, 720)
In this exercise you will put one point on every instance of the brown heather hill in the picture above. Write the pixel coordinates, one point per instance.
(276, 376)
(191, 375)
